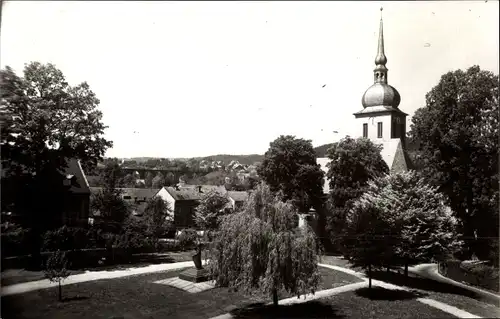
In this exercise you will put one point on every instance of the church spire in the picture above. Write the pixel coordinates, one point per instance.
(380, 60)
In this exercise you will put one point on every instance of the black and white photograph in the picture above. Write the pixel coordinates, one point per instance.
(249, 159)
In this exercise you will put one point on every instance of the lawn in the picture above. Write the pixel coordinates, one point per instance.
(379, 303)
(138, 297)
(15, 276)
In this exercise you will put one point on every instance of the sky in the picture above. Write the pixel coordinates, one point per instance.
(185, 79)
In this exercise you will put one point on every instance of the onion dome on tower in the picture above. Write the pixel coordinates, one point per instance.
(381, 93)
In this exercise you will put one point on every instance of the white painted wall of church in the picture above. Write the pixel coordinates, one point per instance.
(372, 127)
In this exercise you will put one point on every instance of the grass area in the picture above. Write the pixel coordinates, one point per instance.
(139, 297)
(15, 276)
(454, 296)
(362, 303)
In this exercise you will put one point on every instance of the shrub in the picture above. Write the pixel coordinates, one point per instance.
(187, 238)
(15, 240)
(65, 238)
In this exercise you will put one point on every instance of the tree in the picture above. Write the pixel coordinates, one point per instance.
(169, 179)
(262, 249)
(158, 217)
(129, 181)
(401, 219)
(290, 166)
(457, 132)
(158, 181)
(148, 179)
(108, 201)
(56, 269)
(211, 208)
(353, 162)
(45, 121)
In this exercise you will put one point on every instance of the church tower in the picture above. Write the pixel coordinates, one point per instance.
(381, 120)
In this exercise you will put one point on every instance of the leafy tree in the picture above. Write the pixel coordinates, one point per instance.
(211, 208)
(45, 121)
(158, 217)
(353, 162)
(148, 180)
(108, 201)
(261, 249)
(56, 269)
(129, 181)
(368, 239)
(169, 179)
(457, 132)
(421, 227)
(158, 181)
(290, 166)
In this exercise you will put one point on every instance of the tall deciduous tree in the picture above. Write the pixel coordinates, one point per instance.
(457, 132)
(353, 162)
(45, 121)
(262, 249)
(290, 166)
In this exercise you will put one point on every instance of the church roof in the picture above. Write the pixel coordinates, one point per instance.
(379, 109)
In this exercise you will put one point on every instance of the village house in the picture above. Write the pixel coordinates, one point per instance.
(183, 200)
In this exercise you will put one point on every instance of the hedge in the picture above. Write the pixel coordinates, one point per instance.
(479, 274)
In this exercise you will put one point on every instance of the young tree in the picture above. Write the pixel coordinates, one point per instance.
(353, 163)
(457, 132)
(56, 269)
(210, 209)
(109, 201)
(262, 249)
(157, 217)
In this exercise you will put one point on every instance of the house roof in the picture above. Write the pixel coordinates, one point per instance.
(133, 192)
(192, 192)
(79, 184)
(238, 196)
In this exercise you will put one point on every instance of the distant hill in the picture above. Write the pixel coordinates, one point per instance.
(227, 158)
(243, 159)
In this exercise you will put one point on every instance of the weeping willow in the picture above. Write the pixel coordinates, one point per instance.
(261, 249)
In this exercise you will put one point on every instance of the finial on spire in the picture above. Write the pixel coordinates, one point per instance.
(381, 59)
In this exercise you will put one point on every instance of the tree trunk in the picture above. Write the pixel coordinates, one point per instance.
(60, 291)
(275, 297)
(406, 269)
(370, 276)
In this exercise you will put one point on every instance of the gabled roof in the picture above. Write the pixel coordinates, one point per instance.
(192, 192)
(79, 183)
(238, 196)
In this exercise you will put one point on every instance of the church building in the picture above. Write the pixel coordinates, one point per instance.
(381, 120)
